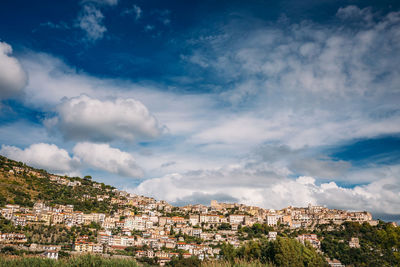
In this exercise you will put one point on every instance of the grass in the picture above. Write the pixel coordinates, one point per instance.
(237, 263)
(81, 261)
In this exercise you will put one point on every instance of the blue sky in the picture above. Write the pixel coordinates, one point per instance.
(268, 103)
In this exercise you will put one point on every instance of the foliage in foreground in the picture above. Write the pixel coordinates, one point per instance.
(282, 252)
(237, 263)
(81, 261)
(182, 262)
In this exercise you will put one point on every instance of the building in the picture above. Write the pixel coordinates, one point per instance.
(335, 263)
(236, 219)
(194, 219)
(12, 238)
(354, 242)
(311, 238)
(272, 236)
(51, 254)
(271, 220)
(88, 247)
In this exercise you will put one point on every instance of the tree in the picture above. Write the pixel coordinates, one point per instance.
(228, 252)
(184, 262)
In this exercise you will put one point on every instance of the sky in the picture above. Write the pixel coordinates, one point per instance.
(266, 103)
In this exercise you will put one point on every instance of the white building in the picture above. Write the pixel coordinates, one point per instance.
(272, 220)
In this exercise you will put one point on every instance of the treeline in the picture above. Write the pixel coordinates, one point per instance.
(282, 252)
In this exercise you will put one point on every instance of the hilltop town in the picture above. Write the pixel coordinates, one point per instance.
(109, 221)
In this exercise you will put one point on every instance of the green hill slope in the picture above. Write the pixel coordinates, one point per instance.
(23, 185)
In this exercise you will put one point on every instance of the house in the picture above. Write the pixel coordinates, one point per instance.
(38, 247)
(161, 254)
(186, 255)
(197, 232)
(335, 263)
(312, 238)
(354, 242)
(194, 220)
(19, 220)
(163, 261)
(272, 220)
(96, 185)
(178, 219)
(13, 237)
(209, 218)
(272, 236)
(88, 247)
(141, 253)
(236, 219)
(51, 254)
(182, 245)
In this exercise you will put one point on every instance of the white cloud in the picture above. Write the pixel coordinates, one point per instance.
(136, 10)
(354, 13)
(91, 21)
(51, 80)
(44, 156)
(12, 76)
(304, 85)
(85, 155)
(275, 191)
(86, 118)
(104, 157)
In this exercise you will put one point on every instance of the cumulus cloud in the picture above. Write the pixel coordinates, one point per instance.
(275, 191)
(86, 118)
(44, 156)
(12, 76)
(303, 87)
(90, 20)
(104, 157)
(272, 178)
(241, 181)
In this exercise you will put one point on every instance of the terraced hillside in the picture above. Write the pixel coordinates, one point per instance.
(23, 185)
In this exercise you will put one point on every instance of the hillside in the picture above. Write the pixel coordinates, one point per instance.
(23, 185)
(107, 221)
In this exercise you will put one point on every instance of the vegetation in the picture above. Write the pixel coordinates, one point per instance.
(184, 262)
(81, 261)
(50, 234)
(24, 189)
(282, 252)
(379, 245)
(237, 263)
(255, 231)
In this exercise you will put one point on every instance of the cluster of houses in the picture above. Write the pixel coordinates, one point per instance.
(194, 230)
(160, 230)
